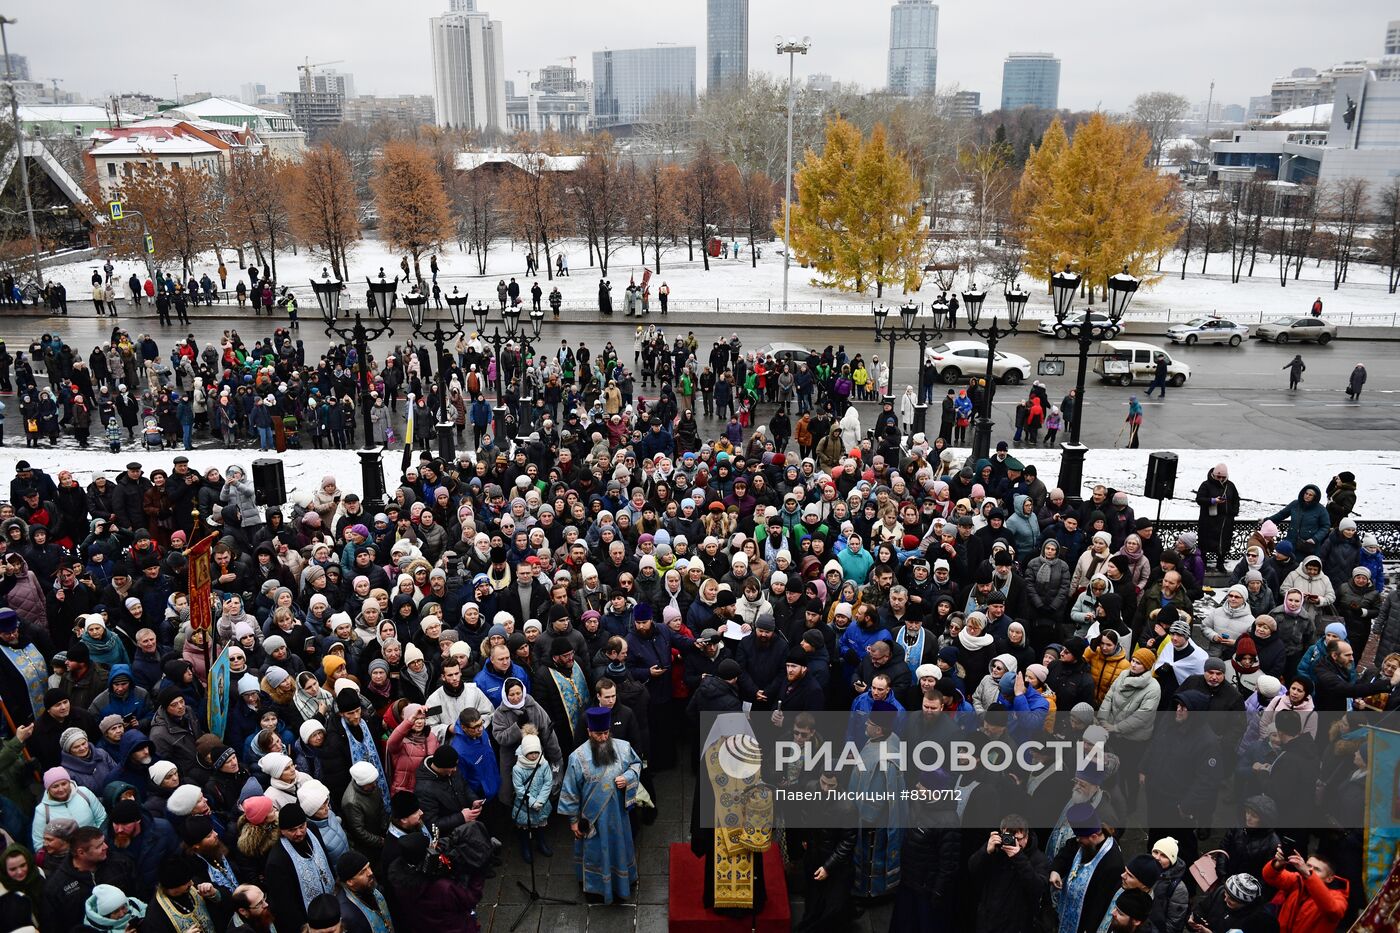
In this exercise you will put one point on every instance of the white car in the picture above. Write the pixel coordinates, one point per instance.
(1107, 330)
(1208, 330)
(956, 360)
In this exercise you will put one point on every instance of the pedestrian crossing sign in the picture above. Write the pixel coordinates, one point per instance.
(150, 244)
(116, 209)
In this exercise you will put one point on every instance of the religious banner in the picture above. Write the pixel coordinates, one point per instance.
(219, 676)
(1382, 806)
(200, 583)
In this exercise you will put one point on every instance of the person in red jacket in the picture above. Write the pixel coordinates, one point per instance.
(1313, 898)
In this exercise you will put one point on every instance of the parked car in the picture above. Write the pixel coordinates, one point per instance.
(958, 359)
(784, 352)
(1208, 330)
(1107, 330)
(1297, 328)
(1127, 361)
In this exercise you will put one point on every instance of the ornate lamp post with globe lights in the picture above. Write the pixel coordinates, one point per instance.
(417, 314)
(973, 300)
(499, 341)
(1063, 286)
(384, 296)
(908, 315)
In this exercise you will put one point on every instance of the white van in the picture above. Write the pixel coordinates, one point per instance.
(1127, 361)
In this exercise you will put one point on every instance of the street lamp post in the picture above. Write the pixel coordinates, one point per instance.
(498, 341)
(1064, 285)
(973, 299)
(908, 314)
(24, 168)
(790, 47)
(417, 313)
(362, 331)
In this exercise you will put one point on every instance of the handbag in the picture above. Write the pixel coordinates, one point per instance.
(1205, 871)
(32, 425)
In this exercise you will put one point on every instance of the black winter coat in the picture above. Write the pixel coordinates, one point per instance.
(1012, 888)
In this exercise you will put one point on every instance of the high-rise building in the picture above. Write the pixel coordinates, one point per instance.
(469, 68)
(913, 58)
(331, 81)
(557, 79)
(726, 44)
(405, 110)
(318, 103)
(1030, 79)
(19, 64)
(1392, 37)
(629, 83)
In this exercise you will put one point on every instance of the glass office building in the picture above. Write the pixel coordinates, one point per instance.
(629, 83)
(1030, 79)
(726, 44)
(913, 58)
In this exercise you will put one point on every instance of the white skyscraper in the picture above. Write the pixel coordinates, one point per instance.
(913, 61)
(1392, 37)
(469, 69)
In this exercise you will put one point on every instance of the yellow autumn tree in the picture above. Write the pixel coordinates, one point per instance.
(886, 195)
(1095, 203)
(857, 220)
(413, 211)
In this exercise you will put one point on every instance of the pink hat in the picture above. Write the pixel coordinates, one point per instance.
(1268, 529)
(978, 491)
(670, 614)
(257, 810)
(54, 775)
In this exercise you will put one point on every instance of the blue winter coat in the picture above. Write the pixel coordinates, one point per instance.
(1305, 522)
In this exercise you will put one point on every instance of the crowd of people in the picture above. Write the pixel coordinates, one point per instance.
(526, 637)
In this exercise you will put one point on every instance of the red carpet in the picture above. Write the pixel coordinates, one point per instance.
(689, 915)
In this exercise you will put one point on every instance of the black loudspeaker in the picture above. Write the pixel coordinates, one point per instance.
(1161, 475)
(269, 486)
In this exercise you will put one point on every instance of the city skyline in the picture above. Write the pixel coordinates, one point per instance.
(393, 58)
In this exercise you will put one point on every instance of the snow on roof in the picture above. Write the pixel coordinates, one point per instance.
(154, 123)
(64, 113)
(223, 107)
(470, 161)
(1316, 115)
(166, 145)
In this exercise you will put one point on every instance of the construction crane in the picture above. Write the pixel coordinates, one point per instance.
(527, 73)
(305, 69)
(567, 58)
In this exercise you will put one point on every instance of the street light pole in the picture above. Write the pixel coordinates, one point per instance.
(973, 299)
(417, 308)
(1064, 285)
(511, 315)
(790, 47)
(361, 332)
(19, 141)
(908, 314)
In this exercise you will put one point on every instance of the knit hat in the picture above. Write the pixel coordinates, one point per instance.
(1095, 735)
(70, 737)
(1268, 686)
(1136, 905)
(1145, 868)
(928, 670)
(182, 802)
(257, 809)
(1039, 671)
(273, 643)
(1215, 664)
(1081, 714)
(346, 700)
(1145, 657)
(528, 744)
(1007, 684)
(1346, 524)
(728, 669)
(1242, 887)
(160, 770)
(363, 773)
(1167, 845)
(54, 775)
(61, 828)
(108, 721)
(411, 653)
(276, 676)
(291, 816)
(1180, 627)
(273, 764)
(349, 865)
(313, 795)
(1336, 628)
(247, 684)
(222, 757)
(309, 728)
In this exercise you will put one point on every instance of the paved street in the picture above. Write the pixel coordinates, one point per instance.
(1235, 393)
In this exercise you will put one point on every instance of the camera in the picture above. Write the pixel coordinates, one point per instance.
(1008, 840)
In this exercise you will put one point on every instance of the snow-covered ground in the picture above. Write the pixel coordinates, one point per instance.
(1267, 479)
(738, 286)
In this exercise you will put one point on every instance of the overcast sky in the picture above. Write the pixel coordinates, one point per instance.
(1109, 54)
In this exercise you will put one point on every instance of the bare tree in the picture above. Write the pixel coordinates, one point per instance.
(1388, 234)
(1190, 207)
(758, 202)
(534, 199)
(668, 125)
(989, 181)
(1297, 225)
(600, 196)
(474, 199)
(1158, 113)
(1346, 206)
(655, 214)
(707, 198)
